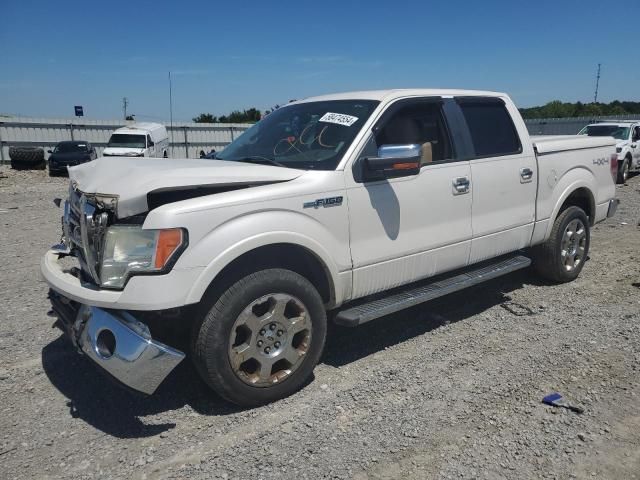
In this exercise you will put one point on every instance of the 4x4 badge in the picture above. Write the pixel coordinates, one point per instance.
(324, 202)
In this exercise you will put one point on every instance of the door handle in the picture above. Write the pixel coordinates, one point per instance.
(461, 185)
(526, 175)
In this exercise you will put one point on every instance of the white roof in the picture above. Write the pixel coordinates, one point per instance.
(393, 94)
(145, 126)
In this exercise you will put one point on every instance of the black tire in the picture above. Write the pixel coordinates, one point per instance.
(212, 336)
(623, 170)
(27, 157)
(31, 155)
(548, 258)
(165, 155)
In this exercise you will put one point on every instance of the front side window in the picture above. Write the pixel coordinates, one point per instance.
(419, 123)
(310, 136)
(121, 140)
(491, 127)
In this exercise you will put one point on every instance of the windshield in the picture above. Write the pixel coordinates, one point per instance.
(615, 131)
(70, 147)
(311, 135)
(120, 140)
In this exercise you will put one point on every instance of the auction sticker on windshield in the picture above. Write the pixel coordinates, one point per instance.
(339, 119)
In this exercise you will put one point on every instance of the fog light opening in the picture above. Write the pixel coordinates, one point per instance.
(105, 343)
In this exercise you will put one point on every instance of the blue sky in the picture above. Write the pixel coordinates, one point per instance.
(235, 55)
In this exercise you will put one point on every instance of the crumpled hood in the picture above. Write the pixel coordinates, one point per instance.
(131, 179)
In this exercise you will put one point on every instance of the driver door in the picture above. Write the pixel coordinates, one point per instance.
(405, 229)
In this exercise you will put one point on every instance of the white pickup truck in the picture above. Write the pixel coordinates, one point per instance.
(627, 135)
(348, 206)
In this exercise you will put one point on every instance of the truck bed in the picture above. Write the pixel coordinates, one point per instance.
(562, 161)
(558, 143)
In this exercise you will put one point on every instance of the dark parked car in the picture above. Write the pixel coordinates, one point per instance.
(69, 154)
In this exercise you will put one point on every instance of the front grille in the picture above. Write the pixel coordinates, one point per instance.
(83, 231)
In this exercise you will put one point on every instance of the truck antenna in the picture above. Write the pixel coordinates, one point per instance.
(595, 97)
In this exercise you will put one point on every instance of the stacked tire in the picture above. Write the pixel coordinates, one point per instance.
(27, 158)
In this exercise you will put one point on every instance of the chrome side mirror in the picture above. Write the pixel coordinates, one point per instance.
(393, 161)
(410, 150)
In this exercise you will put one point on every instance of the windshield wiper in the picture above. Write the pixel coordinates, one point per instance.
(259, 160)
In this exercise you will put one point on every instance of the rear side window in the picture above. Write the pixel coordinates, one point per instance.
(492, 131)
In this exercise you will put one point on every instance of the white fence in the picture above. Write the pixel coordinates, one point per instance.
(569, 126)
(187, 139)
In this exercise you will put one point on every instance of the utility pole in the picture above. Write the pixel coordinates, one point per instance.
(125, 102)
(171, 114)
(595, 97)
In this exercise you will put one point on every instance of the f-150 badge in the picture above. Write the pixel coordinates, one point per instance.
(324, 202)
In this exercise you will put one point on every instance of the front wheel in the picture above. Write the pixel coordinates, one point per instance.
(261, 339)
(561, 257)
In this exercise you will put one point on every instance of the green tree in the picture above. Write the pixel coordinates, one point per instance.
(205, 118)
(558, 109)
(250, 115)
(593, 110)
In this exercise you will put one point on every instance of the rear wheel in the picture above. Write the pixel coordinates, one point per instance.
(261, 339)
(562, 257)
(623, 171)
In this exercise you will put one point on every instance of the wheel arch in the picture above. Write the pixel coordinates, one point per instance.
(296, 257)
(577, 193)
(583, 198)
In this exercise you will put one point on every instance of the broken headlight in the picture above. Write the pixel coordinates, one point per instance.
(130, 250)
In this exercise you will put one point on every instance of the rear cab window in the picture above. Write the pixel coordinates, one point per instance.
(491, 127)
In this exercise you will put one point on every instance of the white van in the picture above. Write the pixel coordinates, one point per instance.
(138, 140)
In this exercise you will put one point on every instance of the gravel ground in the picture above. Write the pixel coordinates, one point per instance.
(450, 389)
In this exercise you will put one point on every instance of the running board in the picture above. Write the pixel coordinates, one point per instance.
(380, 307)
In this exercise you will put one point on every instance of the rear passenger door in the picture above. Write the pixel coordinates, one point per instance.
(503, 175)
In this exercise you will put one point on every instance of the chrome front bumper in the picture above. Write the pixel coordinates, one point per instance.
(118, 343)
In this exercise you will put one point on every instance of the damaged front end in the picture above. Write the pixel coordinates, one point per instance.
(117, 342)
(84, 224)
(113, 338)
